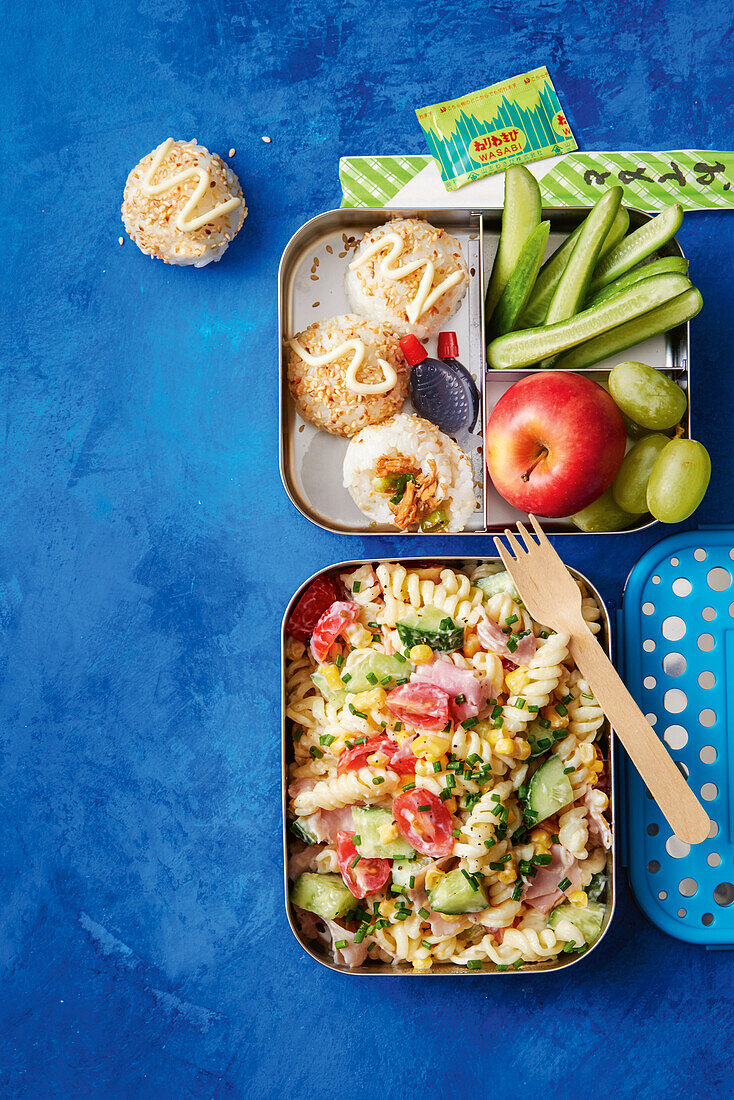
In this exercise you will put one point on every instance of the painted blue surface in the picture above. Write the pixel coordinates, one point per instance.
(148, 550)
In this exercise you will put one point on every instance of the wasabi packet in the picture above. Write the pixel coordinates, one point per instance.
(515, 121)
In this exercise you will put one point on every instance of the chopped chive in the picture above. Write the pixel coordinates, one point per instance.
(339, 660)
(558, 735)
(401, 915)
(398, 727)
(385, 679)
(446, 624)
(356, 839)
(326, 739)
(555, 838)
(370, 945)
(450, 782)
(524, 866)
(568, 947)
(409, 787)
(543, 634)
(297, 734)
(496, 712)
(424, 807)
(459, 700)
(520, 702)
(445, 795)
(517, 964)
(378, 779)
(569, 771)
(567, 698)
(501, 967)
(453, 766)
(522, 792)
(370, 678)
(475, 758)
(436, 766)
(512, 619)
(474, 964)
(490, 843)
(357, 713)
(355, 861)
(545, 723)
(542, 859)
(496, 866)
(346, 677)
(532, 708)
(373, 626)
(360, 740)
(504, 859)
(447, 728)
(402, 680)
(424, 913)
(315, 752)
(456, 833)
(356, 586)
(517, 892)
(564, 884)
(512, 643)
(399, 657)
(560, 709)
(543, 744)
(469, 723)
(339, 944)
(411, 882)
(470, 879)
(348, 743)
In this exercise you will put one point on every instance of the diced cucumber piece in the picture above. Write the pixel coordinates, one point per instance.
(539, 738)
(331, 696)
(368, 821)
(520, 216)
(521, 282)
(368, 669)
(549, 790)
(324, 895)
(496, 583)
(666, 265)
(661, 319)
(300, 829)
(637, 246)
(588, 920)
(405, 869)
(457, 893)
(573, 283)
(523, 349)
(550, 273)
(597, 886)
(432, 627)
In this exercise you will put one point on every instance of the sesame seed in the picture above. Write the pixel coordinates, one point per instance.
(232, 152)
(120, 240)
(267, 140)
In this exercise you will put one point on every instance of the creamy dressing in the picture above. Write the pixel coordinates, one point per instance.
(351, 381)
(185, 221)
(425, 297)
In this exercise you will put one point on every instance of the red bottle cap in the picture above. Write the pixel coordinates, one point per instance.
(448, 345)
(413, 350)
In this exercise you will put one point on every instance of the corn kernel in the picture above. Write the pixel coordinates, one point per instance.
(373, 699)
(493, 736)
(386, 908)
(357, 635)
(517, 680)
(472, 645)
(421, 654)
(422, 964)
(579, 899)
(541, 839)
(522, 748)
(388, 832)
(433, 878)
(504, 746)
(430, 746)
(332, 676)
(508, 875)
(557, 721)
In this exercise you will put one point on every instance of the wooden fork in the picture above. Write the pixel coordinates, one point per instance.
(553, 598)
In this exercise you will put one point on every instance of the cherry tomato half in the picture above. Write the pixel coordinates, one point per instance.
(364, 877)
(330, 626)
(317, 599)
(420, 705)
(399, 757)
(424, 822)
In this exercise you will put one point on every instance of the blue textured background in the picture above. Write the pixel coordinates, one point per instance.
(148, 550)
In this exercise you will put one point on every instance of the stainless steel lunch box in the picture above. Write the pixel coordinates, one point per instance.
(405, 969)
(310, 288)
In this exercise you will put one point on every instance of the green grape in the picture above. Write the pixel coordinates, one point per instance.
(679, 480)
(636, 431)
(630, 485)
(647, 396)
(603, 514)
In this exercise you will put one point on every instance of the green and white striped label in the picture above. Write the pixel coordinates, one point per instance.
(697, 179)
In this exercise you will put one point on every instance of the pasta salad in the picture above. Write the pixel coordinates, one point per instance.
(447, 793)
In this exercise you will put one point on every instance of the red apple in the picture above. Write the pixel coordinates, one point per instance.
(555, 442)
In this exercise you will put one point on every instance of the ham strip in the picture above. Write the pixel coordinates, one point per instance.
(301, 861)
(494, 639)
(542, 892)
(456, 681)
(354, 954)
(599, 830)
(325, 824)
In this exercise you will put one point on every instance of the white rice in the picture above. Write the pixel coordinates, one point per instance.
(418, 440)
(372, 294)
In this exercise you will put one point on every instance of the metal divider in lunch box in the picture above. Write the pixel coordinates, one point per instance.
(440, 969)
(482, 225)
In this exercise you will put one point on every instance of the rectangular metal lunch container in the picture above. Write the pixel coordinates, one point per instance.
(310, 288)
(315, 950)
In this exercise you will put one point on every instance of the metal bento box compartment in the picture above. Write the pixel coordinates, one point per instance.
(605, 743)
(311, 288)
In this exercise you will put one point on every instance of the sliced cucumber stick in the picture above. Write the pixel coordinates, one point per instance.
(549, 790)
(637, 247)
(520, 217)
(573, 284)
(523, 349)
(666, 265)
(536, 309)
(521, 282)
(324, 895)
(674, 312)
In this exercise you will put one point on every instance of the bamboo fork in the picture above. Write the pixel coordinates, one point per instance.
(552, 597)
